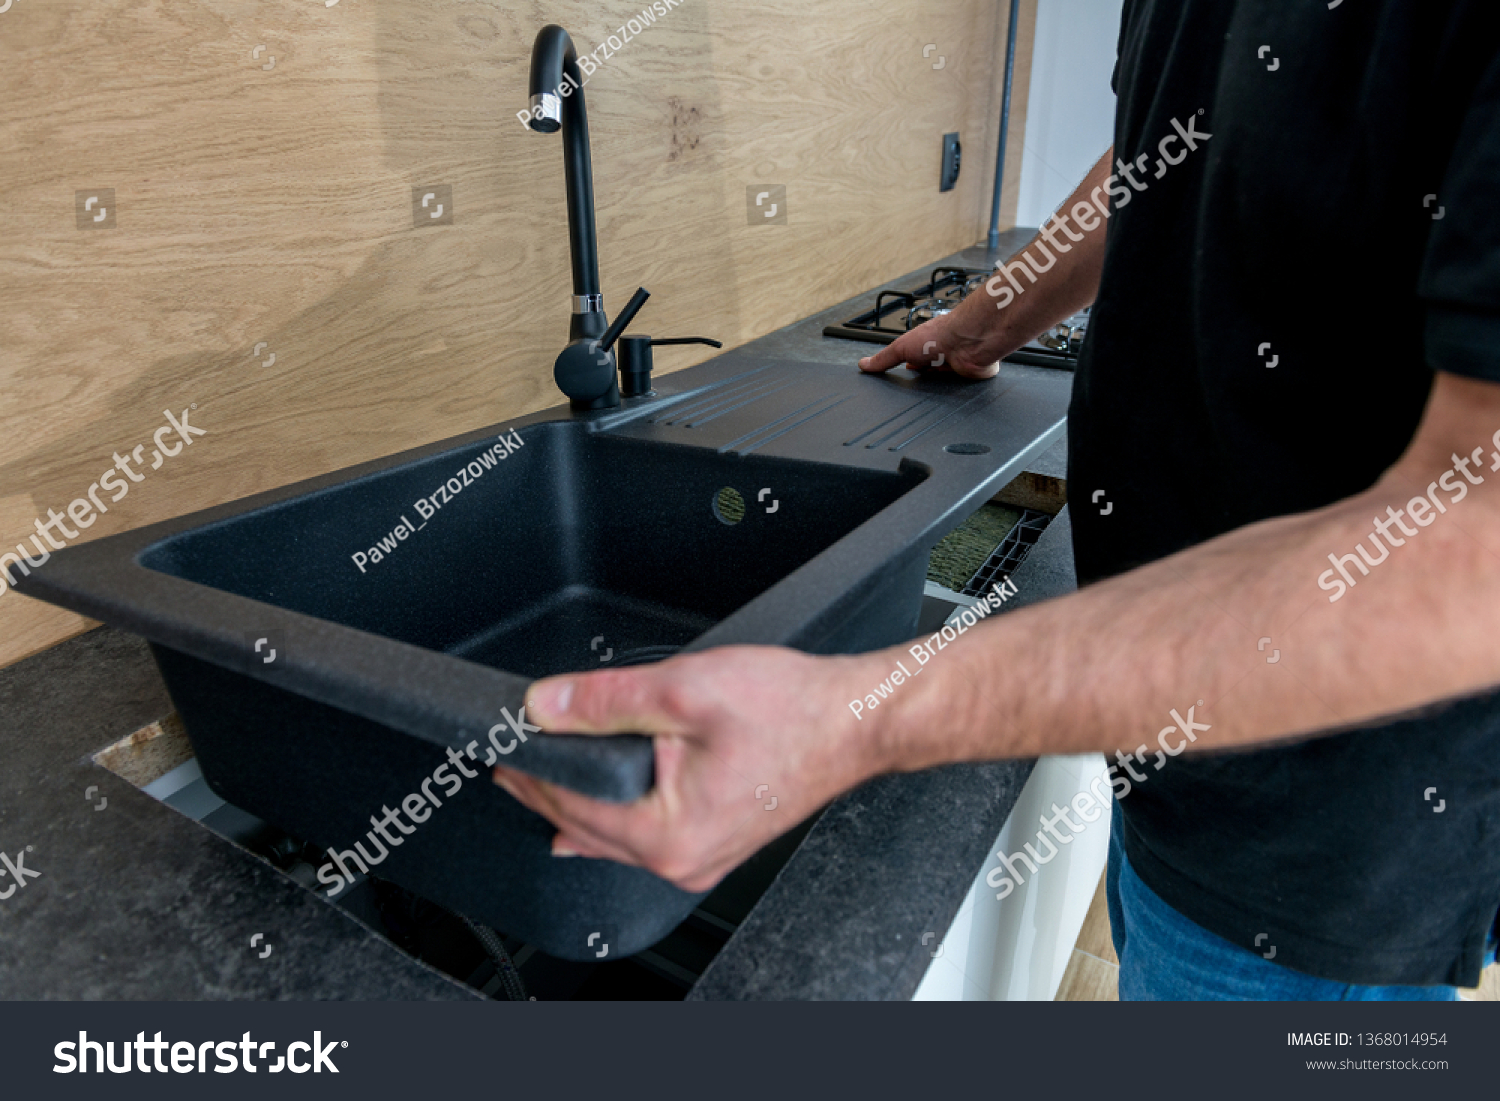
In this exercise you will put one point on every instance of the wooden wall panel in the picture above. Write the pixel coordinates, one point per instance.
(267, 212)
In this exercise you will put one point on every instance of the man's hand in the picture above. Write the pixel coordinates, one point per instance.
(750, 740)
(964, 342)
(982, 330)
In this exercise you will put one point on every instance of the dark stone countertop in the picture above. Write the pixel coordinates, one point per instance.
(138, 901)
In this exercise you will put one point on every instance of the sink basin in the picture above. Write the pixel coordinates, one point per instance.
(576, 551)
(339, 647)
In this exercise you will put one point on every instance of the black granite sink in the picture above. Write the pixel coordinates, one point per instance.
(349, 654)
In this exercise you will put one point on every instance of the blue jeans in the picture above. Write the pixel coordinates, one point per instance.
(1166, 957)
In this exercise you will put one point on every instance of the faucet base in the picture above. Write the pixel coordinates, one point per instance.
(611, 400)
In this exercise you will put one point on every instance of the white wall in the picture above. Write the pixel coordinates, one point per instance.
(1070, 114)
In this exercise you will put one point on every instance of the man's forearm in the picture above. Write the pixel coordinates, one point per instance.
(1069, 284)
(1104, 668)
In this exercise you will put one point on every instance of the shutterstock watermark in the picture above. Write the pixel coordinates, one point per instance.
(1422, 511)
(1087, 214)
(186, 1057)
(1088, 804)
(419, 805)
(82, 510)
(17, 870)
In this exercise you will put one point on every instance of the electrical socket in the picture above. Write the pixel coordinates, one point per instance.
(952, 161)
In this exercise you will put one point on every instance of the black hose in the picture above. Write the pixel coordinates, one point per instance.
(510, 978)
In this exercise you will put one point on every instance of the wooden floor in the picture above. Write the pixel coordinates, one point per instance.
(1093, 973)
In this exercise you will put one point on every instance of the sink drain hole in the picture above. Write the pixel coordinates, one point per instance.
(729, 506)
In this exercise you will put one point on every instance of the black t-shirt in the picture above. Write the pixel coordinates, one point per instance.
(1342, 218)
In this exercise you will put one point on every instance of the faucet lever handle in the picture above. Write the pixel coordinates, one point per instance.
(688, 340)
(624, 318)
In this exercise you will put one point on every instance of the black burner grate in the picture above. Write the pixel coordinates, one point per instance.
(871, 325)
(887, 321)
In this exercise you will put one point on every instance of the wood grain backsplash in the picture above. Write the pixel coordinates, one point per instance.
(255, 252)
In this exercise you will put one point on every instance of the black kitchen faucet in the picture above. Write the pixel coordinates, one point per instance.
(585, 369)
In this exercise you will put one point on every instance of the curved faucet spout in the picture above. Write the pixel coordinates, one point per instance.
(557, 104)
